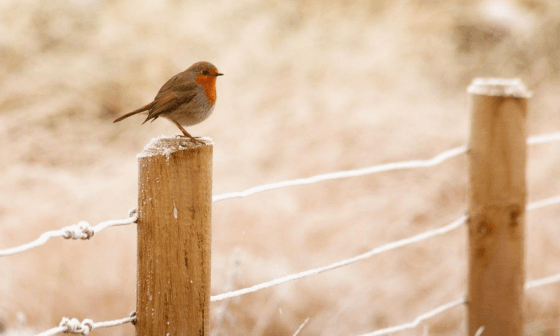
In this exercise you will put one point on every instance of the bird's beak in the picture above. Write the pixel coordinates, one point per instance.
(218, 74)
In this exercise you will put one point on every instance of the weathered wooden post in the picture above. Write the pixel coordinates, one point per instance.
(497, 196)
(174, 229)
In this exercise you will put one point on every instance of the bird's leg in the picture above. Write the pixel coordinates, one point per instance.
(185, 133)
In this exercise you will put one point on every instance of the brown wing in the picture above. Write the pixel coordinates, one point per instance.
(170, 100)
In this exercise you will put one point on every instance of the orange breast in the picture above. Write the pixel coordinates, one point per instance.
(209, 85)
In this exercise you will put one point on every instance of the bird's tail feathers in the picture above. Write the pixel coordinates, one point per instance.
(142, 109)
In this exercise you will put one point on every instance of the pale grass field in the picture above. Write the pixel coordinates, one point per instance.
(309, 88)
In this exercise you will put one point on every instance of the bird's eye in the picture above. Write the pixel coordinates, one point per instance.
(205, 72)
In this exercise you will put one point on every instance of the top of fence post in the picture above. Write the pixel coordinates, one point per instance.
(499, 87)
(166, 145)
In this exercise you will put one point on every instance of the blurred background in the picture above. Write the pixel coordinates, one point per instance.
(309, 87)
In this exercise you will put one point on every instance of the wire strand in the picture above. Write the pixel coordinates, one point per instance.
(82, 230)
(436, 160)
(543, 138)
(74, 326)
(543, 281)
(543, 203)
(419, 319)
(411, 164)
(480, 331)
(301, 327)
(86, 323)
(378, 250)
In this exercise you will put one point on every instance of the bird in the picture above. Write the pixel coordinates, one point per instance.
(186, 99)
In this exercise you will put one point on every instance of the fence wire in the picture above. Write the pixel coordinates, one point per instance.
(401, 165)
(434, 161)
(419, 319)
(543, 281)
(378, 250)
(543, 138)
(82, 230)
(446, 306)
(301, 327)
(74, 326)
(543, 203)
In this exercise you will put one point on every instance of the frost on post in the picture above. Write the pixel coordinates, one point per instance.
(499, 87)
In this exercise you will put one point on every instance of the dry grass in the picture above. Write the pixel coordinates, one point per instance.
(310, 87)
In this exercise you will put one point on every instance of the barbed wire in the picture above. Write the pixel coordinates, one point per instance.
(400, 165)
(74, 326)
(378, 250)
(82, 230)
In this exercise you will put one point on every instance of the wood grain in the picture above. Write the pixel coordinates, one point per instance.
(174, 238)
(497, 196)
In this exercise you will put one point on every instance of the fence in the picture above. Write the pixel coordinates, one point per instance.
(174, 216)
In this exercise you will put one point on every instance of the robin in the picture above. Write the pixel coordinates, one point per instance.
(186, 99)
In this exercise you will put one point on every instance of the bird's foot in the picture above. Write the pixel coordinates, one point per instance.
(194, 139)
(187, 135)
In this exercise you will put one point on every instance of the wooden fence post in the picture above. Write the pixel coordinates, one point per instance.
(174, 228)
(497, 197)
